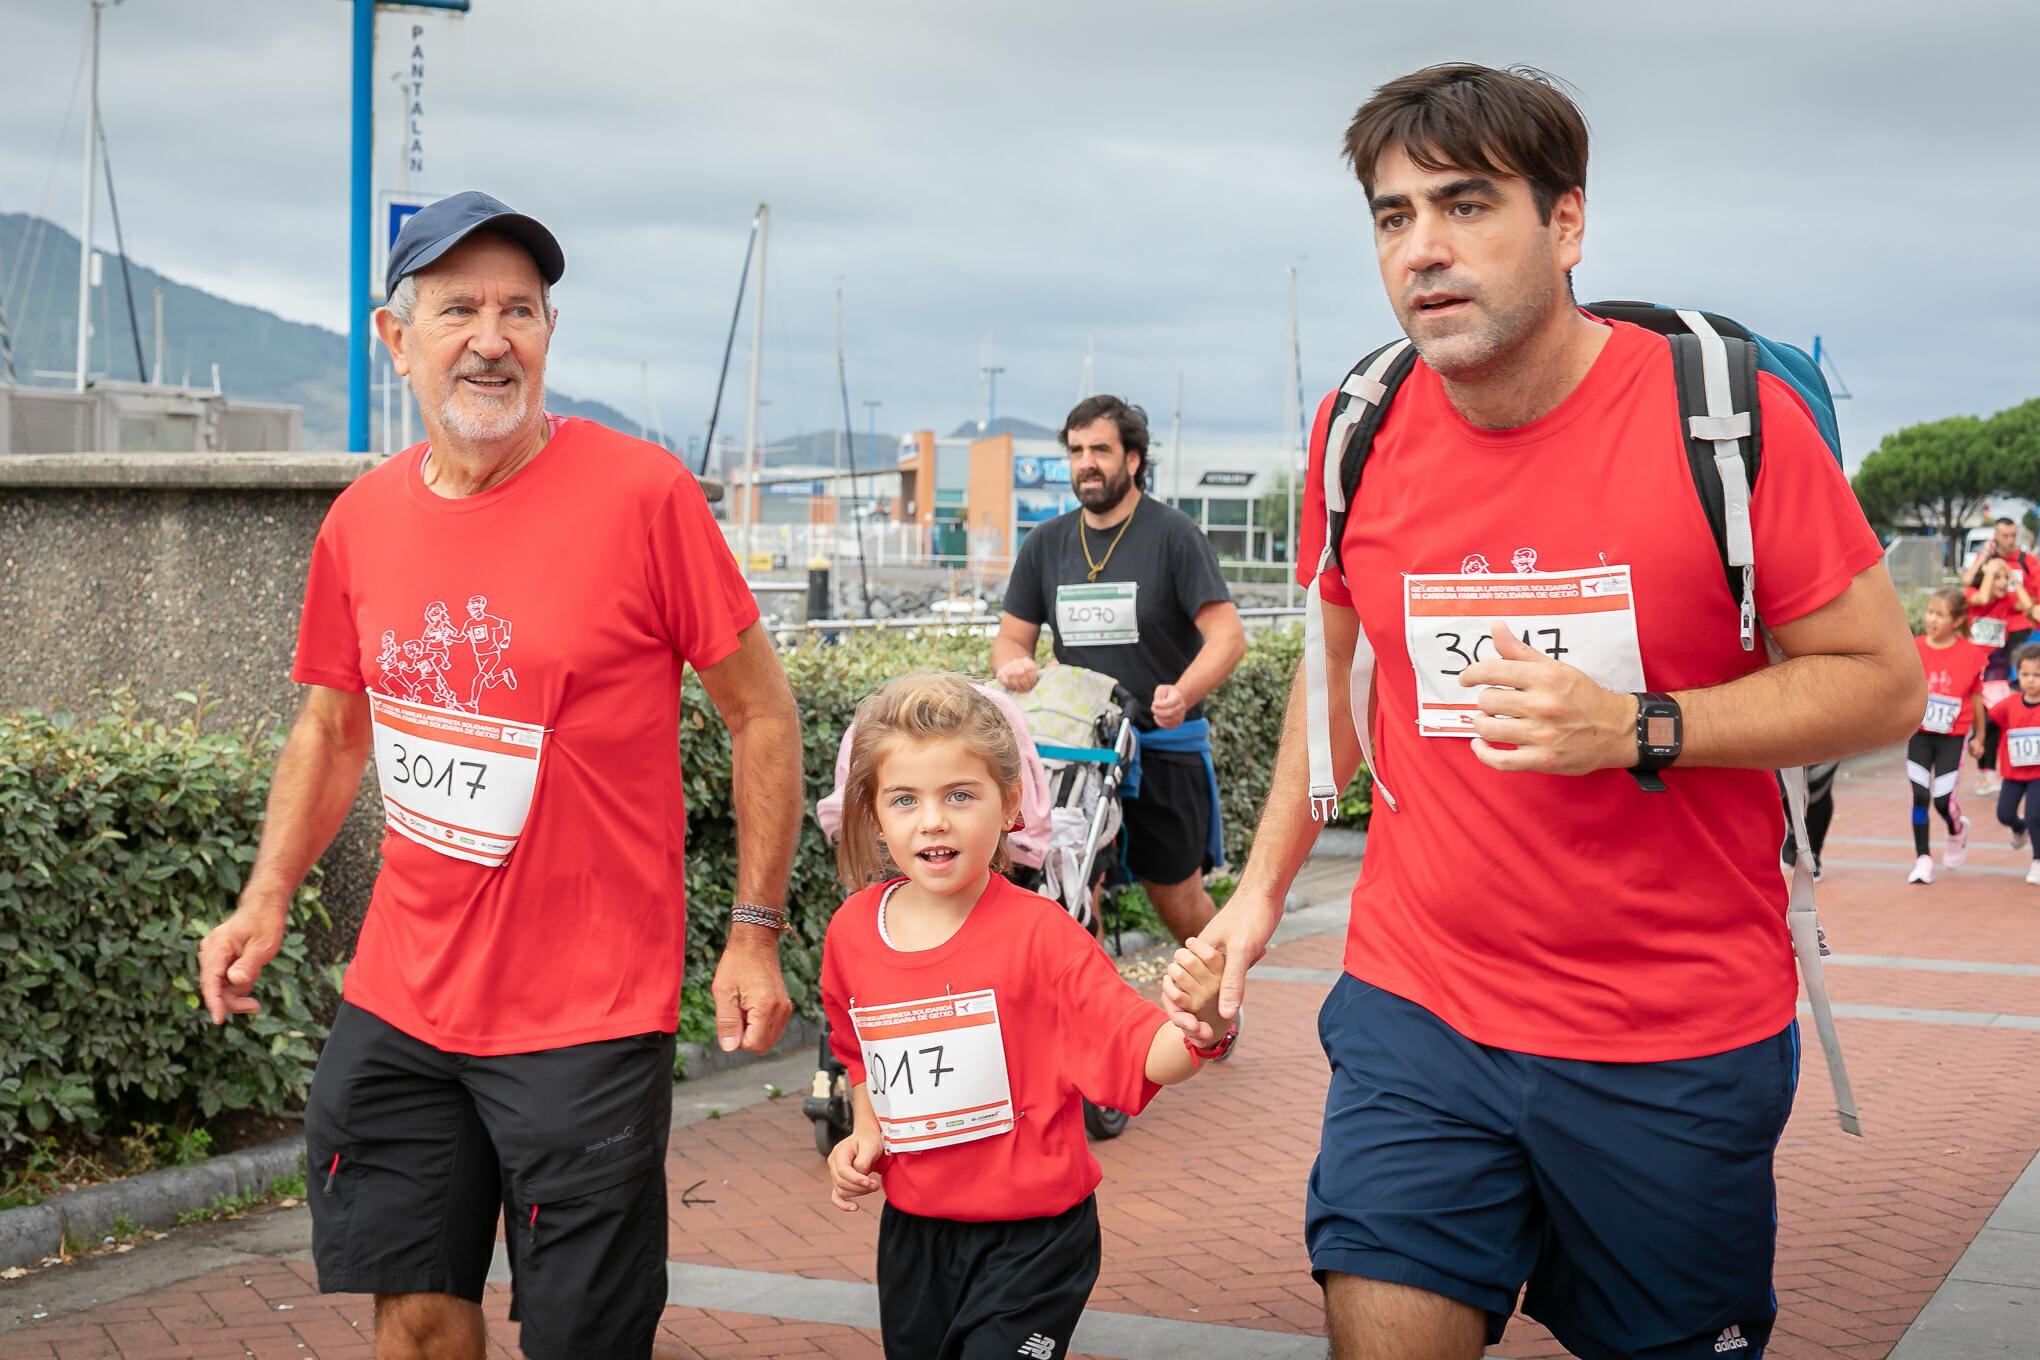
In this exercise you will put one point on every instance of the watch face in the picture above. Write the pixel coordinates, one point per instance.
(1660, 729)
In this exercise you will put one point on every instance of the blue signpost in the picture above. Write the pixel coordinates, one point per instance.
(363, 213)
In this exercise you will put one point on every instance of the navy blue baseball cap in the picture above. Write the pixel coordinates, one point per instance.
(438, 227)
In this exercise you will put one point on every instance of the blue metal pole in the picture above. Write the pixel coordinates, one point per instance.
(357, 235)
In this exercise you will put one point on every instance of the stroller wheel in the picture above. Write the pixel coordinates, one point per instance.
(1102, 1123)
(831, 1118)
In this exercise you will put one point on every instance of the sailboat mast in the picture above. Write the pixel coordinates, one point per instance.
(1292, 428)
(91, 176)
(751, 459)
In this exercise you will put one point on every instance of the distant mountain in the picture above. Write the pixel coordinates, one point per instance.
(1019, 429)
(261, 356)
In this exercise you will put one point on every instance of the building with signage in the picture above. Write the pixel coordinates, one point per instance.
(958, 500)
(1235, 491)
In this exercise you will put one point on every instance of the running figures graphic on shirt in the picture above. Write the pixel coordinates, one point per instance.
(453, 781)
(417, 670)
(490, 638)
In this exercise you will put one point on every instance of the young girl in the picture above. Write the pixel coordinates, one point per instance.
(974, 1018)
(2000, 613)
(2019, 754)
(1933, 758)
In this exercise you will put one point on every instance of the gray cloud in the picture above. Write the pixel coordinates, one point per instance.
(1140, 174)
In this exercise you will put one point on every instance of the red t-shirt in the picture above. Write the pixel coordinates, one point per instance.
(1578, 916)
(567, 597)
(2020, 722)
(1953, 672)
(1072, 1029)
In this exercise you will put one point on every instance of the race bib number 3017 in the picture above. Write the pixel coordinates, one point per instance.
(455, 782)
(1586, 619)
(935, 1070)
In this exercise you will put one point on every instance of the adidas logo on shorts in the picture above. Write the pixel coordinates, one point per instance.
(1731, 1339)
(1039, 1347)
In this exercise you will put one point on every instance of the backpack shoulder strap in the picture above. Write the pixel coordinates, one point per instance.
(1719, 415)
(1356, 417)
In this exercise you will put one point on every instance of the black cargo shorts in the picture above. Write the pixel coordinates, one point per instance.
(411, 1152)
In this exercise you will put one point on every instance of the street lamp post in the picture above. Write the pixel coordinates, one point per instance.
(358, 232)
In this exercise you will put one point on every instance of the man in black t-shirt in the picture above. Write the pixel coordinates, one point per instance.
(1131, 588)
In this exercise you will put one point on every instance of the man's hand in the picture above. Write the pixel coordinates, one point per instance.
(751, 1005)
(1557, 719)
(850, 1163)
(230, 959)
(1019, 675)
(1240, 932)
(1168, 706)
(1976, 742)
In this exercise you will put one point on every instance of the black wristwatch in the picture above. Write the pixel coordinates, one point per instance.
(1659, 732)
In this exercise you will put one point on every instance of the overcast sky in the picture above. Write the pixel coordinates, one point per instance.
(1140, 174)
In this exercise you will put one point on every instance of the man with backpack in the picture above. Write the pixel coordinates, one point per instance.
(1564, 1047)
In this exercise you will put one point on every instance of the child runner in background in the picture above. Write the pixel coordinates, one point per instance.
(2019, 759)
(974, 1018)
(1820, 814)
(1933, 758)
(2000, 610)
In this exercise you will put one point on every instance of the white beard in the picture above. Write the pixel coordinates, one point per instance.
(480, 427)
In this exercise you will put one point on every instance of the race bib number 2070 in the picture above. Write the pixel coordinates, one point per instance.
(1586, 619)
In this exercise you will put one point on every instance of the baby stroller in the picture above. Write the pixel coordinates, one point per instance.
(1076, 743)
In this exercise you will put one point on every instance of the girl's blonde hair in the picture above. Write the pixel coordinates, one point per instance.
(913, 708)
(1958, 607)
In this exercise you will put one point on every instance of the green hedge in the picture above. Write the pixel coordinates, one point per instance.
(828, 680)
(123, 839)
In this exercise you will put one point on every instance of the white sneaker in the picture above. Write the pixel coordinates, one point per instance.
(2033, 874)
(1922, 870)
(1957, 848)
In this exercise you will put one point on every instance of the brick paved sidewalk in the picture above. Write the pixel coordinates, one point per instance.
(1202, 1201)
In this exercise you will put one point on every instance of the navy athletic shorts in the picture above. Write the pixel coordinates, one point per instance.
(1636, 1200)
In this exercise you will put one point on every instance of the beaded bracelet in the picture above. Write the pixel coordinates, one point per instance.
(751, 914)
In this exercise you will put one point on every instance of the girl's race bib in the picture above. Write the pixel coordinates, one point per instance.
(935, 1070)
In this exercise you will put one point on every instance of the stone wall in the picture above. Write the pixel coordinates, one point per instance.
(172, 572)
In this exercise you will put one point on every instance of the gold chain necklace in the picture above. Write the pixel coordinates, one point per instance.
(1084, 539)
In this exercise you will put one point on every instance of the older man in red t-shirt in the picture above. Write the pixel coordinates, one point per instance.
(505, 1041)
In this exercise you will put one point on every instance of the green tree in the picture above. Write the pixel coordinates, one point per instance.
(1937, 475)
(2015, 434)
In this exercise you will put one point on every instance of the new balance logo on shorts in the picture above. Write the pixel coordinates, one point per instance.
(1731, 1339)
(1039, 1347)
